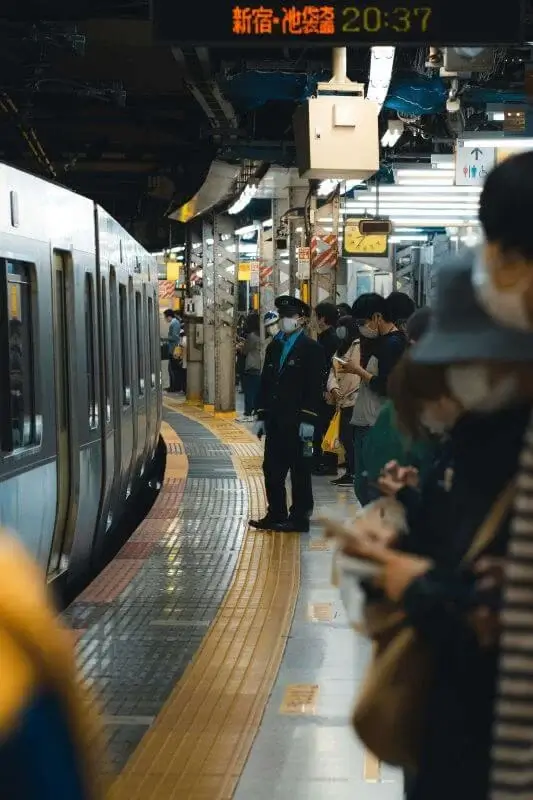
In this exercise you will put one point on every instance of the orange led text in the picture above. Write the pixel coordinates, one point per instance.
(289, 21)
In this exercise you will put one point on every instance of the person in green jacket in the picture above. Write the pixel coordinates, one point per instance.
(384, 441)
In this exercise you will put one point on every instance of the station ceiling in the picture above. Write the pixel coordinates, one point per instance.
(95, 104)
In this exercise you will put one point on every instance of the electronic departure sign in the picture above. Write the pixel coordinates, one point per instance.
(393, 22)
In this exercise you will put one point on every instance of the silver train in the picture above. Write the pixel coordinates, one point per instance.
(80, 390)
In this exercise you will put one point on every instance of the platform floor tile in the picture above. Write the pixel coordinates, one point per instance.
(316, 756)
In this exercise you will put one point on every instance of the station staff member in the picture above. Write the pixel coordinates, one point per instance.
(288, 404)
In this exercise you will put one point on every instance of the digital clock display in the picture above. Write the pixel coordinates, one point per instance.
(394, 22)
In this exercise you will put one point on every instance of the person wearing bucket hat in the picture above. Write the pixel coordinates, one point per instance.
(483, 368)
(503, 282)
(288, 406)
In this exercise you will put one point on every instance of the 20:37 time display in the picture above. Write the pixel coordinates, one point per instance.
(372, 19)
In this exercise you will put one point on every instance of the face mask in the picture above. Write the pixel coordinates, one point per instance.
(506, 307)
(471, 386)
(368, 333)
(342, 332)
(433, 424)
(289, 324)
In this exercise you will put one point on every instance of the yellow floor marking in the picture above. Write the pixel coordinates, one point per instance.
(300, 698)
(199, 743)
(320, 544)
(371, 768)
(320, 612)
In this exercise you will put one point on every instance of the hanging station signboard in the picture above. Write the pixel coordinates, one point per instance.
(345, 22)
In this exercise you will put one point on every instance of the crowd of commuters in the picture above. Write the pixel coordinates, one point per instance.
(436, 414)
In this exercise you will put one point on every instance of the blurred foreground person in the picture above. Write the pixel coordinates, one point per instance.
(50, 746)
(440, 580)
(289, 402)
(503, 282)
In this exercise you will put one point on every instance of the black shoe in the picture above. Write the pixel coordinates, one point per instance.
(344, 480)
(265, 524)
(324, 470)
(293, 526)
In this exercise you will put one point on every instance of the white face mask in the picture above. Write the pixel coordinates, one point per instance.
(368, 333)
(505, 307)
(433, 423)
(471, 386)
(289, 324)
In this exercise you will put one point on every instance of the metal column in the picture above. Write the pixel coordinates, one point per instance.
(208, 272)
(280, 230)
(325, 251)
(267, 290)
(224, 317)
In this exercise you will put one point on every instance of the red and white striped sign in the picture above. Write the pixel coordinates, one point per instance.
(265, 275)
(324, 251)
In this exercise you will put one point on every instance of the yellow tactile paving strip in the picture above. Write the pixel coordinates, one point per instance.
(200, 741)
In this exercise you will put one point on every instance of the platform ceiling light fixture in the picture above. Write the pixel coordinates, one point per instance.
(498, 140)
(247, 195)
(393, 134)
(328, 186)
(381, 66)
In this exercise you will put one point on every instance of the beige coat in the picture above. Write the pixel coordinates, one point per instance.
(346, 383)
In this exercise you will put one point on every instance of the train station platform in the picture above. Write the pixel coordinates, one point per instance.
(221, 656)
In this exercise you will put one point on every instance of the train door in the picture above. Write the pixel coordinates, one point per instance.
(115, 389)
(62, 321)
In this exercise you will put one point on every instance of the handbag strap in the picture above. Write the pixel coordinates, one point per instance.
(492, 523)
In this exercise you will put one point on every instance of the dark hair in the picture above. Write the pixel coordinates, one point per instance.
(506, 202)
(328, 312)
(168, 312)
(418, 323)
(400, 307)
(344, 310)
(410, 386)
(350, 324)
(252, 323)
(369, 304)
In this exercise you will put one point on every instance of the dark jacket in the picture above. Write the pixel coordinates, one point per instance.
(484, 451)
(292, 394)
(329, 343)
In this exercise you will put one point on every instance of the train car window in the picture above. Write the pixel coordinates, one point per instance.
(124, 345)
(20, 425)
(151, 341)
(106, 353)
(139, 328)
(90, 351)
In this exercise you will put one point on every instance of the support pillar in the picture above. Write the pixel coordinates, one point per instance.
(208, 271)
(324, 250)
(225, 283)
(297, 198)
(267, 289)
(280, 206)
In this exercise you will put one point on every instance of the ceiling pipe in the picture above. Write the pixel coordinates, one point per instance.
(340, 66)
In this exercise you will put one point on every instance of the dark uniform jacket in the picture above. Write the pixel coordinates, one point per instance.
(292, 394)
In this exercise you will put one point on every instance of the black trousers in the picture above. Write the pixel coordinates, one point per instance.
(347, 438)
(320, 457)
(173, 377)
(284, 454)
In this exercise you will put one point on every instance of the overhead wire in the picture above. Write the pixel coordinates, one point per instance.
(28, 134)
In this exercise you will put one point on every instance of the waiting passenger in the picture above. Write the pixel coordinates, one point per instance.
(372, 315)
(289, 402)
(342, 387)
(50, 746)
(326, 315)
(251, 350)
(173, 339)
(478, 362)
(344, 310)
(401, 308)
(385, 443)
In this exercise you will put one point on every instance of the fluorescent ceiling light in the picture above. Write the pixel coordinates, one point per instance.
(393, 133)
(246, 230)
(267, 223)
(502, 142)
(425, 189)
(247, 195)
(381, 64)
(326, 187)
(411, 238)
